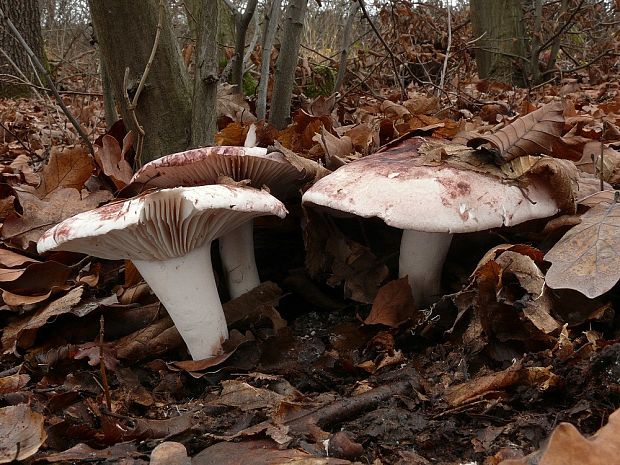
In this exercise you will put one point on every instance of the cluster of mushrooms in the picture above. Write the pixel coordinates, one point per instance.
(191, 198)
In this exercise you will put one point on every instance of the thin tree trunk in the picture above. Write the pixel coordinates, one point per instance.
(286, 64)
(26, 17)
(204, 115)
(272, 18)
(126, 32)
(345, 46)
(109, 107)
(242, 21)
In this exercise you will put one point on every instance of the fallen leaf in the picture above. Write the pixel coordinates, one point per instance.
(261, 452)
(393, 305)
(21, 432)
(531, 134)
(41, 214)
(23, 330)
(82, 453)
(567, 446)
(170, 453)
(67, 167)
(540, 377)
(111, 159)
(586, 258)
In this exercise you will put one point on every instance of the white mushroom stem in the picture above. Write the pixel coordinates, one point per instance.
(186, 287)
(422, 255)
(237, 252)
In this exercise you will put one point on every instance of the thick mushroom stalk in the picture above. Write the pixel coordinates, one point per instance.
(238, 261)
(422, 255)
(186, 287)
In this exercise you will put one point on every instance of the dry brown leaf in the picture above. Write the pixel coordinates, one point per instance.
(111, 159)
(590, 161)
(393, 305)
(233, 105)
(10, 259)
(540, 377)
(246, 397)
(82, 453)
(21, 432)
(233, 134)
(40, 215)
(586, 258)
(170, 453)
(13, 383)
(336, 149)
(261, 452)
(531, 134)
(567, 446)
(66, 168)
(23, 330)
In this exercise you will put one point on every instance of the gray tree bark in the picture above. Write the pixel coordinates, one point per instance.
(242, 21)
(126, 31)
(500, 48)
(345, 46)
(204, 116)
(272, 18)
(286, 64)
(14, 61)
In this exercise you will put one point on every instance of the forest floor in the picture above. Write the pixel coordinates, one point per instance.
(92, 369)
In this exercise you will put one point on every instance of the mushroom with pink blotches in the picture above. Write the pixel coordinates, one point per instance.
(167, 234)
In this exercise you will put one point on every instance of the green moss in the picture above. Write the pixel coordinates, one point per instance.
(323, 81)
(249, 84)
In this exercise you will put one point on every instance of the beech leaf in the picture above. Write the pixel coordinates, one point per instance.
(586, 258)
(531, 134)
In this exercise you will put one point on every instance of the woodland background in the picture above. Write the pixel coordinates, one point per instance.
(328, 350)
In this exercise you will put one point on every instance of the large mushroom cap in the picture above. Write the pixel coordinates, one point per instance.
(395, 186)
(164, 224)
(204, 166)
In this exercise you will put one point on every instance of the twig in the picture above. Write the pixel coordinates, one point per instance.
(104, 376)
(602, 174)
(17, 138)
(387, 48)
(41, 69)
(445, 61)
(46, 89)
(132, 104)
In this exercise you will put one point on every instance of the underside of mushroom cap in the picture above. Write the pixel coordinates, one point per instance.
(395, 187)
(205, 165)
(160, 225)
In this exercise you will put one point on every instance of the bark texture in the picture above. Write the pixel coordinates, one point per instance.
(286, 64)
(204, 116)
(500, 52)
(26, 16)
(242, 22)
(272, 18)
(126, 32)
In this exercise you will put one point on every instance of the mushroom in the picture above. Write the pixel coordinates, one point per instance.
(204, 166)
(168, 234)
(430, 201)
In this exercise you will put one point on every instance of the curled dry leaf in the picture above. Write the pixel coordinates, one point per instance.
(567, 446)
(540, 377)
(111, 159)
(586, 258)
(21, 432)
(531, 134)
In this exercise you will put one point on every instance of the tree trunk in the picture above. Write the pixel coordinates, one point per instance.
(204, 116)
(345, 46)
(26, 17)
(126, 33)
(242, 21)
(272, 18)
(500, 47)
(286, 64)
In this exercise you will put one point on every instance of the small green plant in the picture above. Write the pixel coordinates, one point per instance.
(249, 84)
(323, 81)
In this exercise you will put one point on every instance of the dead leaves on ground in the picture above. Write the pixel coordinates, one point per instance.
(586, 258)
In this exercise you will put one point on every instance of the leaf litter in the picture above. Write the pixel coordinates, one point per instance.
(344, 369)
